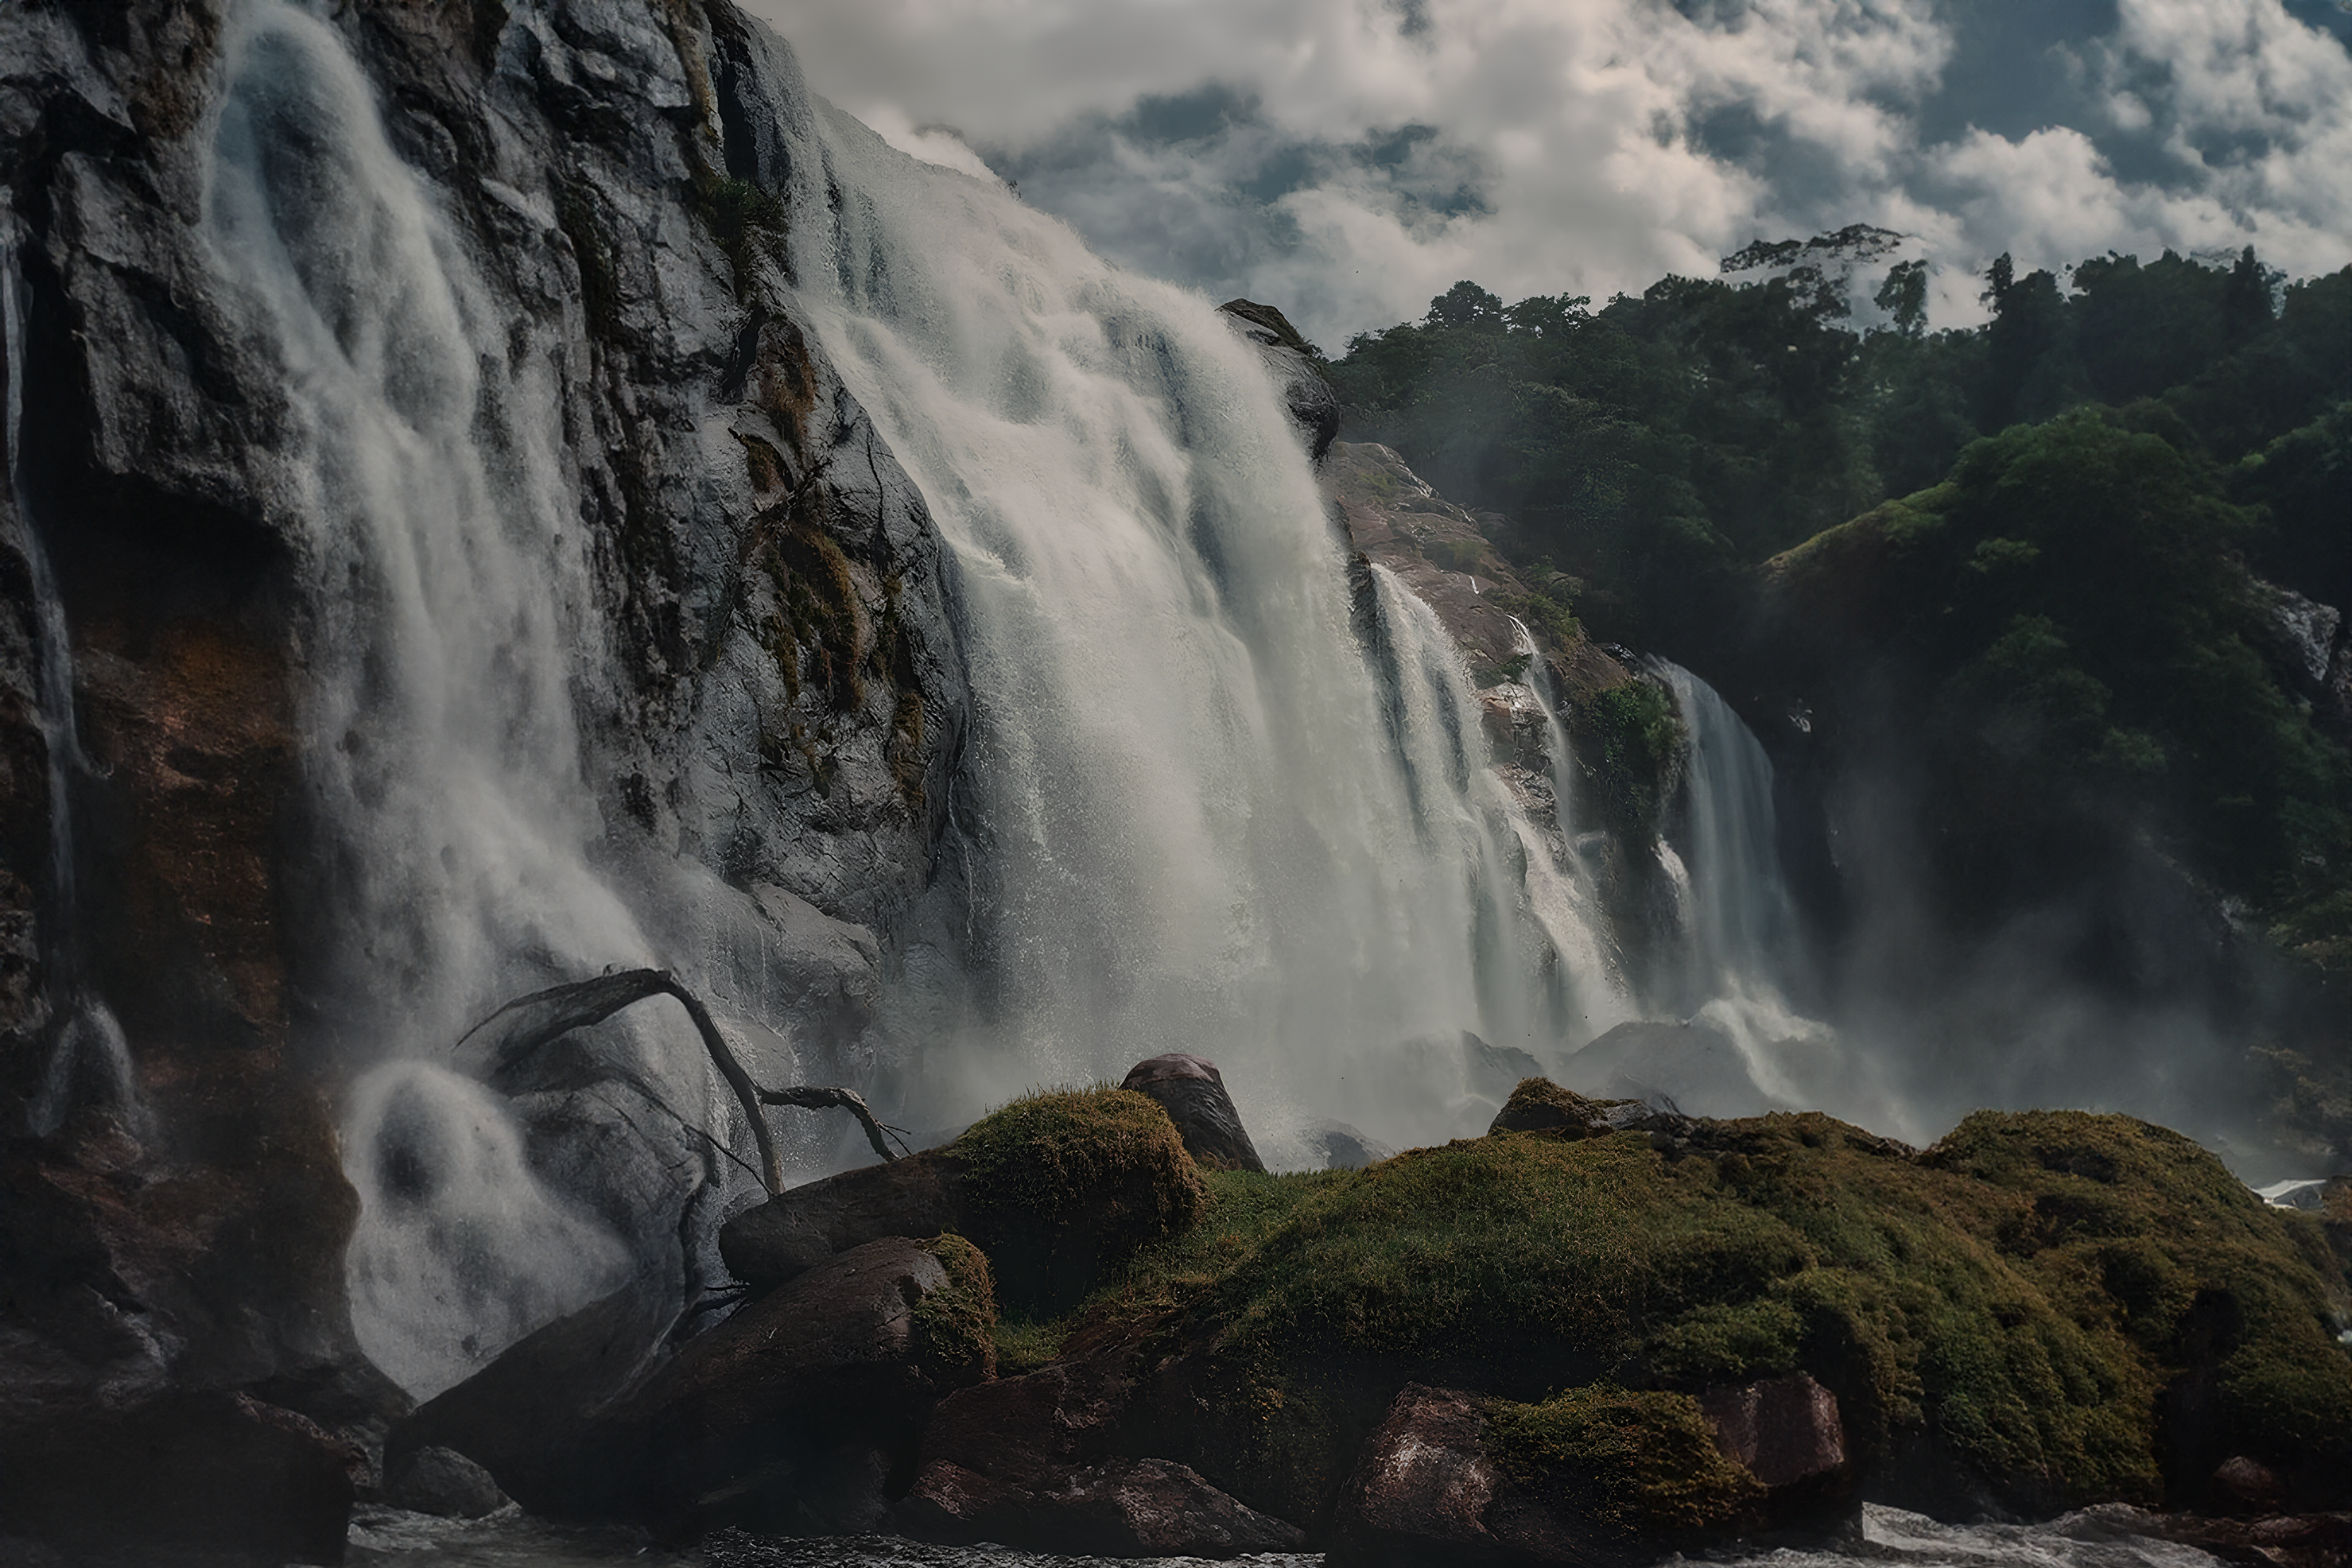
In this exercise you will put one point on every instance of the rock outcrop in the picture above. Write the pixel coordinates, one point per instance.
(1298, 368)
(1192, 1091)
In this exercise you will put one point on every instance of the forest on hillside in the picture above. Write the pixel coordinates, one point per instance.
(2085, 557)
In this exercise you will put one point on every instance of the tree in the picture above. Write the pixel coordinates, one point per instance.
(1904, 296)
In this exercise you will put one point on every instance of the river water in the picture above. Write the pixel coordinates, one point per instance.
(388, 1538)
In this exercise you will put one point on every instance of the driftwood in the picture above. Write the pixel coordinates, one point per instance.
(560, 1009)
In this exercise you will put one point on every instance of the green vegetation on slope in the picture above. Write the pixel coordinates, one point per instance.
(2066, 516)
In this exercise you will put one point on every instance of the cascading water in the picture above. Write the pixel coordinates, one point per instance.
(88, 1059)
(1747, 952)
(1205, 814)
(1193, 837)
(1559, 886)
(1744, 921)
(449, 581)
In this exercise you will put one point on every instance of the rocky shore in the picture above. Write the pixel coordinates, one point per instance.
(1603, 1333)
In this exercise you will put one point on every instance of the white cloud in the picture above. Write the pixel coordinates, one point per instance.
(1608, 141)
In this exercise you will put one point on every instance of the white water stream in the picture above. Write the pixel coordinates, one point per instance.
(1210, 822)
(449, 582)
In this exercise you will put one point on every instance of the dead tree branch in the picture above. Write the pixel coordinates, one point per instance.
(546, 1014)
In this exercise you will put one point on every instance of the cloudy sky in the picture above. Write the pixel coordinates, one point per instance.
(1347, 159)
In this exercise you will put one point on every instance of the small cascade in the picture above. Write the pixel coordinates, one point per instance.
(1746, 951)
(1559, 885)
(90, 1062)
(1744, 921)
(452, 620)
(460, 1232)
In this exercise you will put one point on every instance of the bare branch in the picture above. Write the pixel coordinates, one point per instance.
(848, 1099)
(558, 1010)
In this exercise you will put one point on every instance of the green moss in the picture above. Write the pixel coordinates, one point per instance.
(955, 1326)
(1734, 1341)
(821, 616)
(1642, 1463)
(907, 749)
(1628, 739)
(1541, 1106)
(1024, 1344)
(2020, 1292)
(1066, 1186)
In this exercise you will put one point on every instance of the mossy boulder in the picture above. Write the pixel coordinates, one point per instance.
(2043, 1311)
(1541, 1106)
(955, 1323)
(1063, 1187)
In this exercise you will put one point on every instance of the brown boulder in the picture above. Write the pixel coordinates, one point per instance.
(520, 1416)
(1116, 1508)
(1426, 1491)
(790, 1416)
(1192, 1091)
(1539, 1105)
(794, 1231)
(1784, 1429)
(2245, 1485)
(1031, 1461)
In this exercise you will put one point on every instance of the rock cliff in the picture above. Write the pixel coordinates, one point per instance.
(271, 281)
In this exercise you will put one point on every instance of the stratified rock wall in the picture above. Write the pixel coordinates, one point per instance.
(769, 697)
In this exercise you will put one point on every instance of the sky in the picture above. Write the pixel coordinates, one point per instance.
(1346, 160)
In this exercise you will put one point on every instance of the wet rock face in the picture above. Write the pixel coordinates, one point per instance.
(789, 1416)
(1296, 367)
(193, 1478)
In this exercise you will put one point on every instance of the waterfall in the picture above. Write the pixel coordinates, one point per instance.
(449, 582)
(1204, 820)
(1746, 950)
(1745, 923)
(88, 1059)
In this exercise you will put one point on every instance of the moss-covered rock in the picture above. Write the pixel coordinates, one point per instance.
(2058, 1308)
(1642, 1463)
(1063, 1188)
(1541, 1106)
(955, 1325)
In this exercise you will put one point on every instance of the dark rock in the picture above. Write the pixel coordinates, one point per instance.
(2288, 1540)
(1296, 366)
(1192, 1091)
(1337, 1146)
(2247, 1485)
(1786, 1432)
(920, 1195)
(1119, 1508)
(444, 1482)
(788, 1417)
(1425, 1491)
(1539, 1105)
(519, 1417)
(195, 1477)
(1031, 1461)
